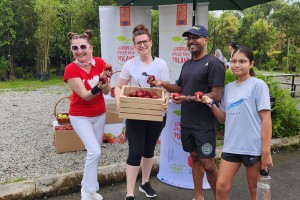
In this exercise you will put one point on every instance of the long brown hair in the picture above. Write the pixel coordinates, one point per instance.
(249, 54)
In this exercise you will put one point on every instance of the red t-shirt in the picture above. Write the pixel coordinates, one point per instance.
(79, 106)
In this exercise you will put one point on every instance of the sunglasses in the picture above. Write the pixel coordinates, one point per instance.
(77, 47)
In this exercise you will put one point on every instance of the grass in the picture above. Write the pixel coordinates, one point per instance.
(29, 85)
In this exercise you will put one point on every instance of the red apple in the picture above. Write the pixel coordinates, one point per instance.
(139, 93)
(198, 95)
(108, 68)
(190, 162)
(152, 93)
(150, 80)
(103, 79)
(112, 92)
(175, 95)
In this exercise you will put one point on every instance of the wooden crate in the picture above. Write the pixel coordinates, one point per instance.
(141, 108)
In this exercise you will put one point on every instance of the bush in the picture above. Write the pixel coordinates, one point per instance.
(285, 114)
(3, 68)
(19, 72)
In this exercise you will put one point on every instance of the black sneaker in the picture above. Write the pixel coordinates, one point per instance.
(129, 198)
(148, 190)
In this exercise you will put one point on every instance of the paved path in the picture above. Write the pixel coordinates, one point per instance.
(285, 184)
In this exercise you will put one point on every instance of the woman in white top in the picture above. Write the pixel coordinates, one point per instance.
(142, 134)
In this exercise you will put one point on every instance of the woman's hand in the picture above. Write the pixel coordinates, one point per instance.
(266, 160)
(164, 106)
(108, 70)
(205, 99)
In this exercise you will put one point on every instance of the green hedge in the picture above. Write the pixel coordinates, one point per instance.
(285, 113)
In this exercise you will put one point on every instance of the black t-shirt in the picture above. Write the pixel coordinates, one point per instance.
(200, 75)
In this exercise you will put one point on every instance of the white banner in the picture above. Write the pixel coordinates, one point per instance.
(175, 165)
(177, 18)
(116, 26)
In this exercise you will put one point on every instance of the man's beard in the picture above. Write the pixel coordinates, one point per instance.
(196, 49)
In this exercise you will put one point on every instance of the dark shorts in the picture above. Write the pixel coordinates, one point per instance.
(201, 141)
(247, 160)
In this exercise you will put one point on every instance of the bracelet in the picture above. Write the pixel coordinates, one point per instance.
(189, 99)
(95, 90)
(211, 104)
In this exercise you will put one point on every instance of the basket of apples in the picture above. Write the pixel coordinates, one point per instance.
(61, 117)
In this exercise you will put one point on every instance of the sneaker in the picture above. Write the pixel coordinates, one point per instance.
(85, 195)
(129, 198)
(148, 190)
(90, 196)
(202, 198)
(96, 196)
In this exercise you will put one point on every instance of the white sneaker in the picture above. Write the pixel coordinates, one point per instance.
(96, 196)
(85, 195)
(90, 196)
(202, 198)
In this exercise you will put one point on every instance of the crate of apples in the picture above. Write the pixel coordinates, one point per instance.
(141, 103)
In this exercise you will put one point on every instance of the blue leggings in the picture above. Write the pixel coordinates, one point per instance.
(142, 137)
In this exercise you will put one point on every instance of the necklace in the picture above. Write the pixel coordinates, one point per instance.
(82, 64)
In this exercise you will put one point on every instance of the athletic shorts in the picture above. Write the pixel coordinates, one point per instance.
(247, 160)
(201, 141)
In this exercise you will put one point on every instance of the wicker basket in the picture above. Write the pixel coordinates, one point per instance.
(61, 121)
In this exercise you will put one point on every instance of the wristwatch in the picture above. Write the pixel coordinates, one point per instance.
(211, 104)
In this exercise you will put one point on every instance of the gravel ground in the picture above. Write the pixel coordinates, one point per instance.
(26, 137)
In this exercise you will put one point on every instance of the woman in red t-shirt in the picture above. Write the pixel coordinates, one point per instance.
(87, 108)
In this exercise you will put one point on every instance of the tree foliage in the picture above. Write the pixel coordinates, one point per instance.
(34, 33)
(47, 12)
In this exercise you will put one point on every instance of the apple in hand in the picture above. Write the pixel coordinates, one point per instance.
(150, 80)
(109, 69)
(198, 95)
(175, 95)
(103, 80)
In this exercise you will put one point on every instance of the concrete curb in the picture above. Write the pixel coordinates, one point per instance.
(70, 182)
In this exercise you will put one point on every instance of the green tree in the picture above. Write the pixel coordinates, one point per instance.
(23, 48)
(286, 20)
(7, 37)
(47, 12)
(225, 30)
(262, 36)
(155, 32)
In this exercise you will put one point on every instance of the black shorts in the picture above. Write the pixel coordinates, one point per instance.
(247, 160)
(201, 141)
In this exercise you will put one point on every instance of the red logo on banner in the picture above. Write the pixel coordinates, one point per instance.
(181, 16)
(125, 16)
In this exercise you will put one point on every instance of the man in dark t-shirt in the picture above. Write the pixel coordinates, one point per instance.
(203, 73)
